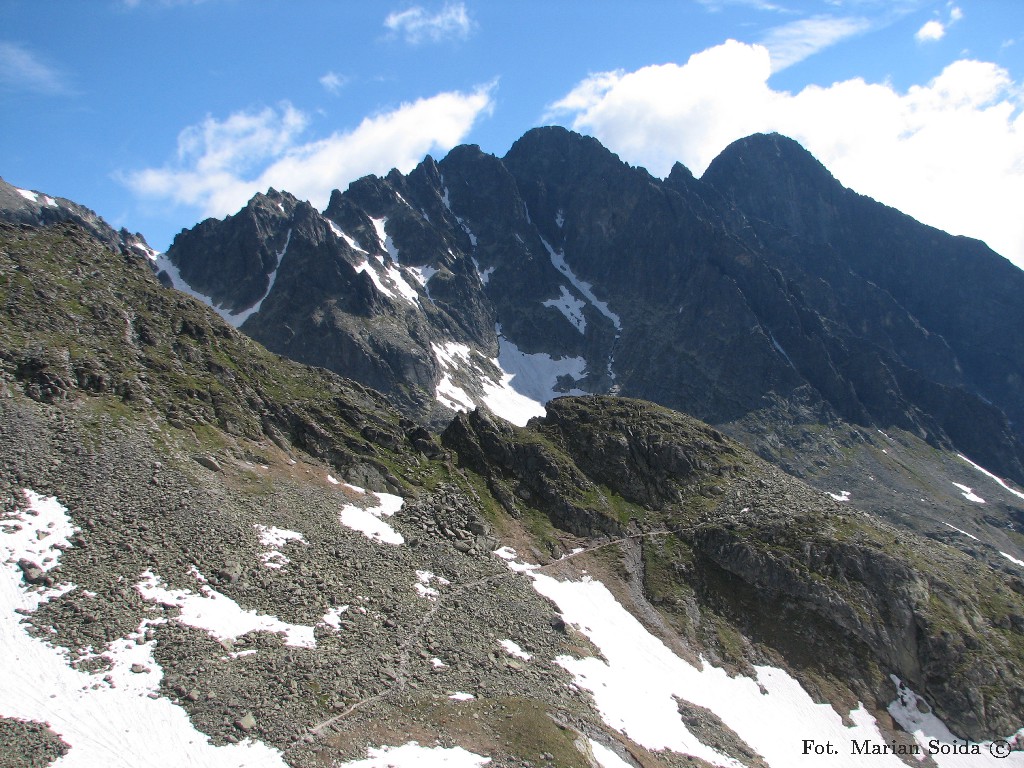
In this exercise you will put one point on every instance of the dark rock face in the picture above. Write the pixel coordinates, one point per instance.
(933, 331)
(231, 261)
(761, 295)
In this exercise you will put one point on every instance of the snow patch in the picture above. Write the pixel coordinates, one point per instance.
(969, 494)
(528, 381)
(423, 274)
(406, 291)
(513, 649)
(560, 218)
(451, 396)
(364, 266)
(333, 617)
(399, 287)
(485, 274)
(781, 351)
(571, 307)
(32, 197)
(423, 579)
(459, 696)
(218, 614)
(274, 538)
(412, 755)
(452, 356)
(353, 244)
(605, 757)
(841, 496)
(368, 521)
(386, 243)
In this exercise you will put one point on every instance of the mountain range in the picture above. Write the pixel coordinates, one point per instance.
(535, 459)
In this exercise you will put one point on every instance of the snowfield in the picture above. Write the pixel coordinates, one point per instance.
(638, 680)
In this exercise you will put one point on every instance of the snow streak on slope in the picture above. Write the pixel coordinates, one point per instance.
(104, 725)
(452, 357)
(355, 246)
(386, 242)
(638, 680)
(960, 530)
(528, 381)
(398, 282)
(234, 318)
(558, 260)
(999, 480)
(915, 716)
(1013, 559)
(569, 306)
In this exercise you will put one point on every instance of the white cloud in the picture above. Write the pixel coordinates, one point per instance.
(222, 163)
(934, 30)
(794, 42)
(22, 70)
(333, 82)
(418, 25)
(949, 152)
(930, 31)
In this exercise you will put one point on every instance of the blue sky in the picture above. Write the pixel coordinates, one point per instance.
(158, 113)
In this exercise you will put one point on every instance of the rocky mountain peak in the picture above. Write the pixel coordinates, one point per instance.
(763, 298)
(772, 177)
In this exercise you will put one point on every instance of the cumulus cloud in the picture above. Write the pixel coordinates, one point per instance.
(418, 25)
(221, 163)
(930, 31)
(949, 152)
(794, 42)
(22, 70)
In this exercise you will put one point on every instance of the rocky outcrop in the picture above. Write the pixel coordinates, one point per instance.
(34, 209)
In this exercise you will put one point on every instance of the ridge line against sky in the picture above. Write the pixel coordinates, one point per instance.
(916, 103)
